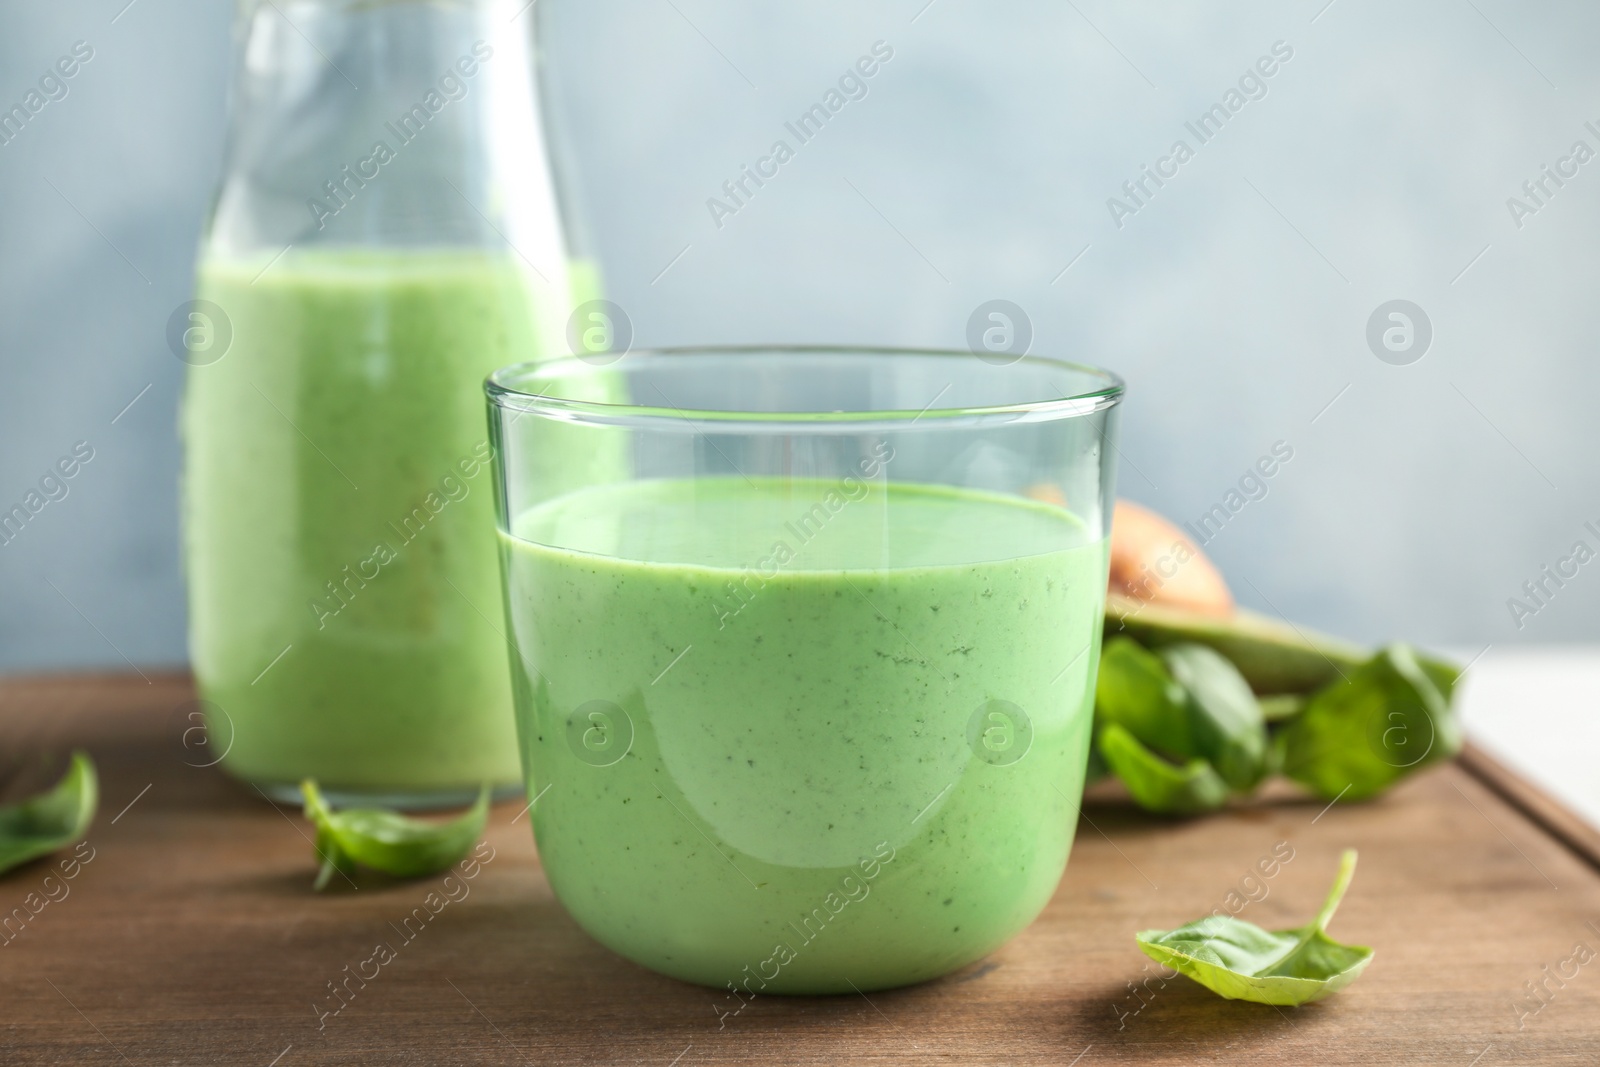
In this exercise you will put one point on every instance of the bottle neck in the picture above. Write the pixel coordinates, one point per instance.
(406, 123)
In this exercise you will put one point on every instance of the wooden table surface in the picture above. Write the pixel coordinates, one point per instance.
(192, 936)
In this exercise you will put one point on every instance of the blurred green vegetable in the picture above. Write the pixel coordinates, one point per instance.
(1360, 735)
(1224, 720)
(1444, 676)
(52, 820)
(1187, 704)
(386, 841)
(1190, 716)
(1157, 784)
(1275, 656)
(1281, 706)
(1097, 768)
(1135, 690)
(1241, 961)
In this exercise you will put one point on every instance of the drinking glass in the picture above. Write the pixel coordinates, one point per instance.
(803, 664)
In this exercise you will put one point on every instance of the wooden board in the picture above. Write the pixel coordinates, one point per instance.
(192, 937)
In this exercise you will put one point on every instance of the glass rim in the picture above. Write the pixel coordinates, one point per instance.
(511, 387)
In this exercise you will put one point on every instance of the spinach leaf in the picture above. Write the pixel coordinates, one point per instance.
(1156, 784)
(1360, 735)
(52, 820)
(1135, 691)
(386, 841)
(1240, 961)
(1225, 720)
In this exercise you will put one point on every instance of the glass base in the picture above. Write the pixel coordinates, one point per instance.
(397, 799)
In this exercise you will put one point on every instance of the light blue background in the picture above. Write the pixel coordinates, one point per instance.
(1377, 167)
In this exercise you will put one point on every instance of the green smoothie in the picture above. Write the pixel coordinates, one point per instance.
(339, 518)
(790, 737)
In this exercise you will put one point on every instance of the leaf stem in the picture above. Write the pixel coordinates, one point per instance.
(324, 876)
(325, 846)
(316, 807)
(1341, 882)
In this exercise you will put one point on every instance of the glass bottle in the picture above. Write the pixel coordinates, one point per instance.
(385, 235)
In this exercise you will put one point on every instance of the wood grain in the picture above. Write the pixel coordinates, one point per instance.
(192, 936)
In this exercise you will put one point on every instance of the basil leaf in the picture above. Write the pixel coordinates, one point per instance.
(386, 841)
(1225, 720)
(1135, 691)
(1240, 961)
(1156, 784)
(1360, 735)
(1187, 702)
(52, 820)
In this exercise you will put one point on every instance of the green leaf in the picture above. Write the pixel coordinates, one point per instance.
(1277, 746)
(1240, 961)
(1442, 673)
(1360, 735)
(1135, 691)
(1096, 768)
(1281, 707)
(1225, 720)
(389, 842)
(52, 820)
(1187, 702)
(1157, 785)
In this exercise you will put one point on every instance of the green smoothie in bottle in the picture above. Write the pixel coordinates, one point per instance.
(386, 234)
(340, 520)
